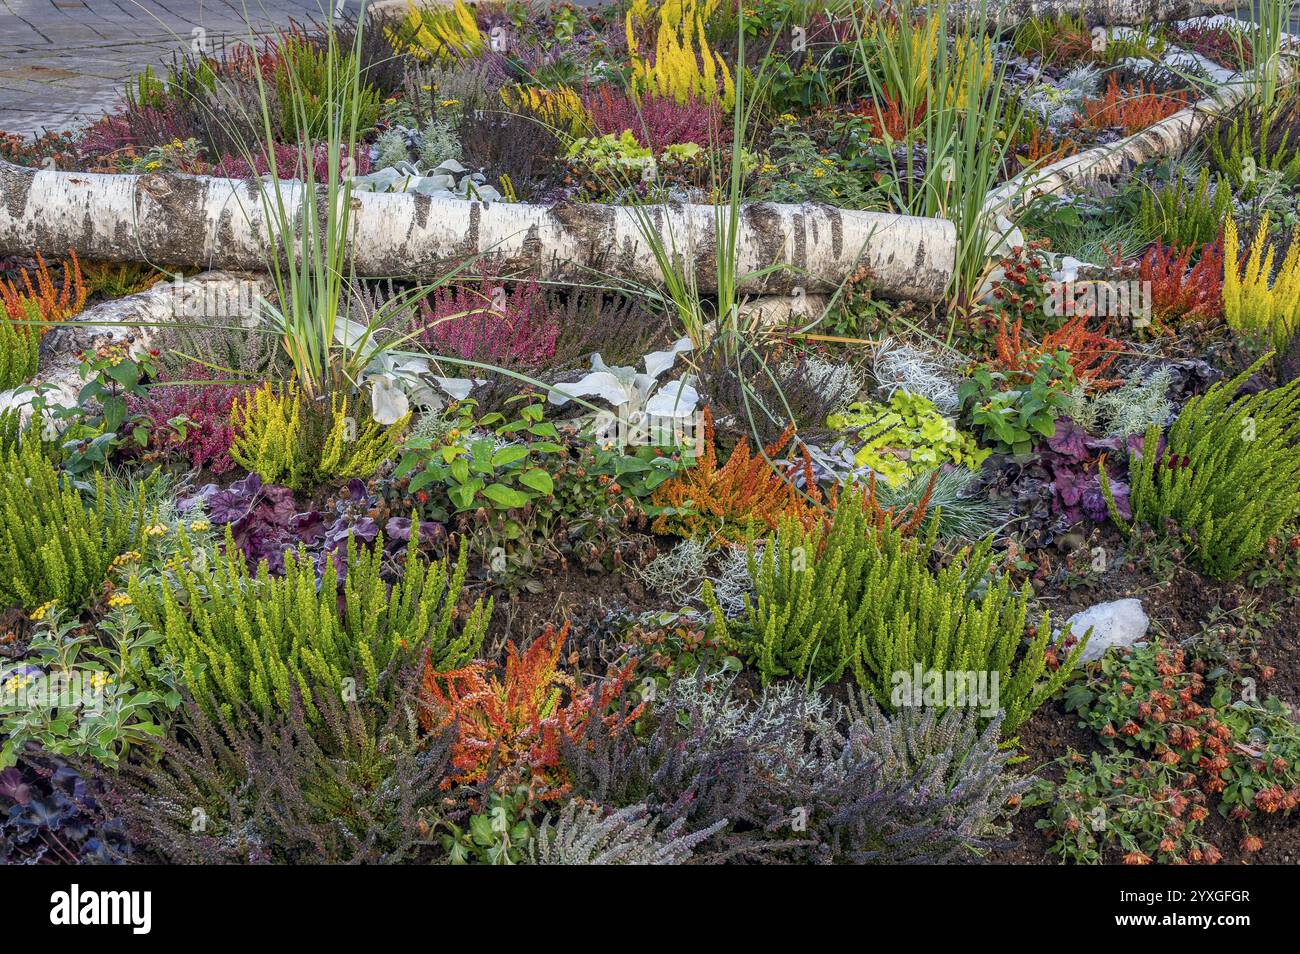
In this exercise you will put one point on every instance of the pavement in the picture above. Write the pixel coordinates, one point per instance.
(64, 62)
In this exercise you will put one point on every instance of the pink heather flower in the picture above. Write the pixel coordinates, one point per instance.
(494, 323)
(657, 121)
(207, 432)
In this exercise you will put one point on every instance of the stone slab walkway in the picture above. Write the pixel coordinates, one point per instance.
(65, 61)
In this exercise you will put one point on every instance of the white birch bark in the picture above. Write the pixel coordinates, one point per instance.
(205, 222)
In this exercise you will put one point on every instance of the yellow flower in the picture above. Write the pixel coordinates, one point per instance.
(99, 680)
(156, 530)
(130, 556)
(828, 162)
(768, 168)
(448, 103)
(788, 118)
(818, 173)
(119, 599)
(38, 614)
(198, 526)
(153, 164)
(17, 682)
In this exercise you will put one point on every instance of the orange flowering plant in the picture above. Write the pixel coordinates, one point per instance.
(515, 724)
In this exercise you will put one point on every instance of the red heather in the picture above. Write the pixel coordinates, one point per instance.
(657, 121)
(207, 433)
(492, 323)
(1178, 293)
(288, 161)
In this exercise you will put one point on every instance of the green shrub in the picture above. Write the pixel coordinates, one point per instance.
(245, 638)
(1185, 216)
(54, 544)
(19, 348)
(860, 597)
(1228, 476)
(288, 438)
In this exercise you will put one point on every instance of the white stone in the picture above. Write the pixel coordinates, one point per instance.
(1117, 623)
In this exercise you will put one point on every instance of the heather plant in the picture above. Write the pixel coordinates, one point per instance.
(1225, 475)
(582, 834)
(53, 304)
(741, 498)
(20, 347)
(945, 803)
(312, 80)
(439, 33)
(657, 122)
(356, 786)
(1259, 299)
(1181, 291)
(243, 638)
(678, 67)
(517, 722)
(1183, 215)
(187, 421)
(860, 598)
(493, 324)
(287, 439)
(56, 543)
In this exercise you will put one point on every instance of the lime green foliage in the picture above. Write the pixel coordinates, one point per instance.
(288, 440)
(251, 639)
(20, 347)
(1181, 215)
(53, 544)
(906, 437)
(861, 598)
(1228, 476)
(618, 158)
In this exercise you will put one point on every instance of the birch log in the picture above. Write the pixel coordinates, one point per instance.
(207, 222)
(1095, 12)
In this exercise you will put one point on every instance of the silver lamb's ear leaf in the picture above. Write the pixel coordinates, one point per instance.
(674, 399)
(388, 402)
(657, 362)
(602, 384)
(458, 388)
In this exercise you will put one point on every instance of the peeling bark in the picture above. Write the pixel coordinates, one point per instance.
(205, 222)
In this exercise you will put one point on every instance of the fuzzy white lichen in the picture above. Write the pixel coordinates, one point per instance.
(930, 373)
(679, 573)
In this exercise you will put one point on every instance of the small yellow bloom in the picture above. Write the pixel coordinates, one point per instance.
(130, 556)
(17, 682)
(768, 168)
(119, 599)
(788, 118)
(448, 103)
(156, 530)
(153, 164)
(99, 680)
(818, 173)
(198, 526)
(38, 614)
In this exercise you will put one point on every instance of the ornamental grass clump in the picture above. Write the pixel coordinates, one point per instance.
(246, 639)
(286, 439)
(860, 597)
(1227, 474)
(55, 544)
